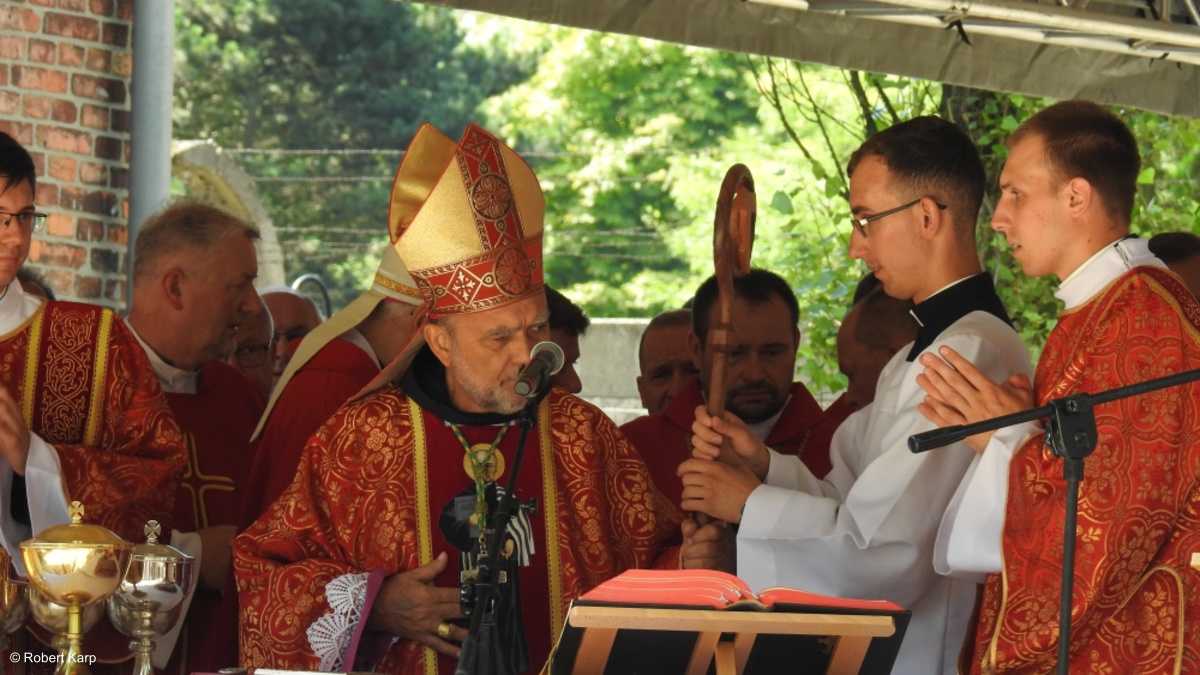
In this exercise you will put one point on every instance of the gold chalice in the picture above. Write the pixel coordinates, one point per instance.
(14, 600)
(54, 617)
(149, 600)
(75, 565)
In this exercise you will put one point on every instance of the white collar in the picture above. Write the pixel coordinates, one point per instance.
(762, 429)
(16, 306)
(172, 379)
(938, 292)
(950, 285)
(1103, 268)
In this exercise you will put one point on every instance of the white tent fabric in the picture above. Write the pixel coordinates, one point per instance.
(1114, 55)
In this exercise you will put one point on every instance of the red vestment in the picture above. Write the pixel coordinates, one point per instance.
(664, 438)
(367, 496)
(84, 386)
(1136, 602)
(334, 374)
(217, 422)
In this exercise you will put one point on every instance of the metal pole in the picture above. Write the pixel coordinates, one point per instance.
(153, 73)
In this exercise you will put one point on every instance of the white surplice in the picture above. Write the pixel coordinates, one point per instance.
(45, 492)
(969, 538)
(867, 530)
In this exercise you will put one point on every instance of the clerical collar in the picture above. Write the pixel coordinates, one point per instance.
(172, 379)
(937, 312)
(16, 306)
(761, 430)
(1103, 268)
(425, 382)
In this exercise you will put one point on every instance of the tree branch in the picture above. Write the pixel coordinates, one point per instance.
(773, 98)
(887, 103)
(864, 103)
(825, 133)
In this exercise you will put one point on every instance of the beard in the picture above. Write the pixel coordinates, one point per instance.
(755, 402)
(491, 397)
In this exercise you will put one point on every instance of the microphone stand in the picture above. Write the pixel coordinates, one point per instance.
(487, 591)
(1071, 434)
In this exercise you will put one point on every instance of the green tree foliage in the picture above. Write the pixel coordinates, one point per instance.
(300, 74)
(605, 119)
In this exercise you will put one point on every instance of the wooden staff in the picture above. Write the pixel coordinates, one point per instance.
(733, 239)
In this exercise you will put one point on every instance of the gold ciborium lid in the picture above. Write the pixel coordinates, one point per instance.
(76, 563)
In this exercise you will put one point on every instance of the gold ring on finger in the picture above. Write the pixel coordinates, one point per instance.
(443, 630)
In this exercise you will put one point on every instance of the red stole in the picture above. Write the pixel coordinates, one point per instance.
(1136, 602)
(56, 366)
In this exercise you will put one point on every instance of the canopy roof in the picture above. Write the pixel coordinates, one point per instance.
(1144, 54)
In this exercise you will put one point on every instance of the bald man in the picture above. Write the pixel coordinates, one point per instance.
(664, 359)
(294, 315)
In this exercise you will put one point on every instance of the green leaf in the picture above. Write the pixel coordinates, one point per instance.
(1146, 177)
(782, 203)
(1009, 123)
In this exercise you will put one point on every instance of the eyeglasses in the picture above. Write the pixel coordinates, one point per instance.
(860, 223)
(31, 221)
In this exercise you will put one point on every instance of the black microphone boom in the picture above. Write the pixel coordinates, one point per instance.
(545, 359)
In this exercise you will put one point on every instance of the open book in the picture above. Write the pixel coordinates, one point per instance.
(665, 648)
(717, 590)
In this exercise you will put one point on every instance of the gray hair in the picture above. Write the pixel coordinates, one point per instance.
(184, 224)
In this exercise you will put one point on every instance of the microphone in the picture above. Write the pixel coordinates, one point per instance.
(545, 359)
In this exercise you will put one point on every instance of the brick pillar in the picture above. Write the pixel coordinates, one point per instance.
(64, 93)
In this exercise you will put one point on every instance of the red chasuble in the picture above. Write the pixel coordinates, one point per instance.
(217, 422)
(1136, 600)
(85, 387)
(664, 439)
(334, 374)
(368, 496)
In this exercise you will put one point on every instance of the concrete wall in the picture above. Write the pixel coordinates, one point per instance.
(608, 366)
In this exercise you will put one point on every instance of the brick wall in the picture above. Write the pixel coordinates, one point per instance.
(64, 93)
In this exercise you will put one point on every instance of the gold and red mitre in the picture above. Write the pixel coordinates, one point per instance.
(474, 242)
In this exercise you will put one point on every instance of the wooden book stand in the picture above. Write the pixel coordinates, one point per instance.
(853, 634)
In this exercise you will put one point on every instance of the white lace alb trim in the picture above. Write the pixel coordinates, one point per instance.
(330, 635)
